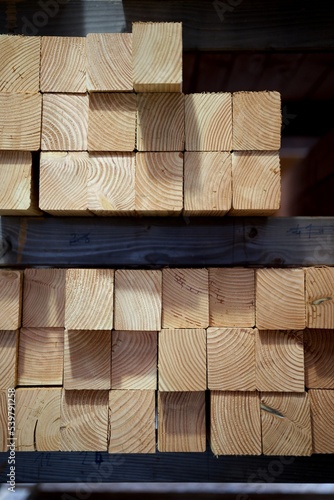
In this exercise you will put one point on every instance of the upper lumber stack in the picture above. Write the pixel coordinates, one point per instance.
(93, 347)
(118, 137)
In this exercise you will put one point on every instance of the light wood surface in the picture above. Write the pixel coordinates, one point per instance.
(87, 360)
(319, 355)
(63, 64)
(287, 311)
(256, 183)
(207, 183)
(232, 297)
(65, 122)
(208, 122)
(117, 112)
(160, 122)
(138, 300)
(41, 356)
(319, 286)
(8, 360)
(322, 415)
(181, 421)
(37, 419)
(134, 360)
(185, 298)
(89, 303)
(20, 122)
(157, 57)
(10, 299)
(279, 361)
(286, 424)
(109, 62)
(20, 62)
(235, 423)
(3, 420)
(259, 114)
(44, 298)
(182, 360)
(132, 421)
(84, 421)
(231, 359)
(159, 183)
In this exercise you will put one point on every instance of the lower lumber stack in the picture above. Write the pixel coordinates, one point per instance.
(127, 361)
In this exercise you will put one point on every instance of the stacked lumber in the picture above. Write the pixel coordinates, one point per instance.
(95, 353)
(117, 136)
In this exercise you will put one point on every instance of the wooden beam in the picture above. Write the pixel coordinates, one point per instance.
(157, 57)
(20, 61)
(286, 424)
(41, 356)
(207, 183)
(117, 111)
(235, 423)
(87, 360)
(8, 361)
(319, 289)
(138, 300)
(182, 360)
(3, 420)
(84, 421)
(44, 298)
(37, 419)
(11, 299)
(181, 421)
(279, 361)
(322, 413)
(134, 362)
(63, 64)
(287, 312)
(20, 122)
(65, 122)
(132, 421)
(319, 355)
(109, 62)
(159, 183)
(231, 359)
(89, 303)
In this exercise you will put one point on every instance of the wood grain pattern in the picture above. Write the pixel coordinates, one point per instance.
(256, 183)
(159, 183)
(232, 297)
(87, 360)
(181, 421)
(63, 64)
(235, 423)
(258, 113)
(138, 300)
(185, 298)
(18, 193)
(322, 415)
(319, 289)
(117, 112)
(37, 419)
(279, 361)
(319, 355)
(63, 183)
(132, 421)
(280, 302)
(207, 183)
(111, 183)
(160, 122)
(8, 360)
(182, 360)
(134, 360)
(44, 298)
(84, 421)
(109, 62)
(231, 359)
(89, 303)
(288, 431)
(10, 299)
(3, 421)
(208, 122)
(41, 356)
(65, 122)
(20, 122)
(20, 61)
(157, 57)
